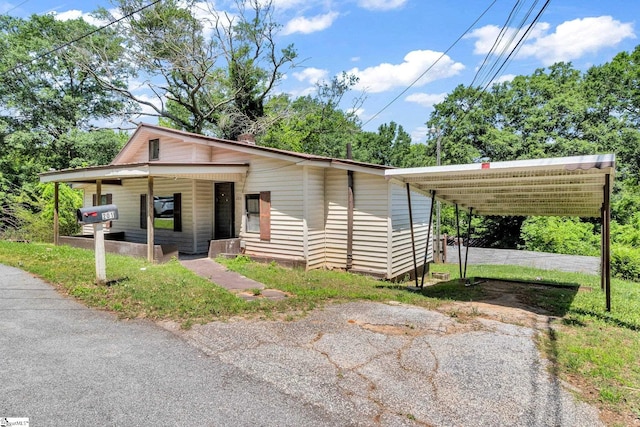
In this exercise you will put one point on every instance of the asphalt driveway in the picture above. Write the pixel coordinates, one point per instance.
(351, 364)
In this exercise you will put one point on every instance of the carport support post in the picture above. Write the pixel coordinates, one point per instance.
(607, 241)
(466, 249)
(458, 240)
(56, 217)
(150, 233)
(413, 237)
(429, 238)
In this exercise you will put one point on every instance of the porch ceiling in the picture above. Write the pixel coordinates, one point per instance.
(567, 186)
(204, 171)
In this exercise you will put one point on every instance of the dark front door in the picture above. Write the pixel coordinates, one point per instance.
(224, 210)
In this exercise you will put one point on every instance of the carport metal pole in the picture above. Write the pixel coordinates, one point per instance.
(607, 241)
(458, 240)
(413, 238)
(56, 213)
(466, 254)
(429, 238)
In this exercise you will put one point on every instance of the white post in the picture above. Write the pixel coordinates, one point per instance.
(98, 237)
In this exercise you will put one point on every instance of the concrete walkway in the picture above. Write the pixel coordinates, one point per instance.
(236, 283)
(542, 260)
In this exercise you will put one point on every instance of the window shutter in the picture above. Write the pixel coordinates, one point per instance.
(93, 200)
(265, 215)
(143, 211)
(177, 211)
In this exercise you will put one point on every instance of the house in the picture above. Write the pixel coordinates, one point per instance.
(200, 194)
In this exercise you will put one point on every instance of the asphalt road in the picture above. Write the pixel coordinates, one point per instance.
(543, 260)
(347, 365)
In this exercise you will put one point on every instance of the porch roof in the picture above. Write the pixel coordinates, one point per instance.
(116, 173)
(565, 186)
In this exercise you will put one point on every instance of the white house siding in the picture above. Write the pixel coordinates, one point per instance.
(314, 213)
(284, 181)
(401, 249)
(370, 224)
(127, 198)
(221, 155)
(335, 198)
(203, 215)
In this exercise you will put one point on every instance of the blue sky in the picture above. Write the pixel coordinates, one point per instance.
(389, 44)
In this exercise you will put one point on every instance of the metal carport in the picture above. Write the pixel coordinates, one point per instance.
(566, 186)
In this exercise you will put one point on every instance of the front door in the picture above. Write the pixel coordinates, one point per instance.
(224, 211)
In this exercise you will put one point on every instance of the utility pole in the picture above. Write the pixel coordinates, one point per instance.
(436, 131)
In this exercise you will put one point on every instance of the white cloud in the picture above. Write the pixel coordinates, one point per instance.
(381, 4)
(419, 134)
(505, 78)
(310, 25)
(288, 4)
(311, 75)
(387, 76)
(571, 39)
(426, 99)
(70, 15)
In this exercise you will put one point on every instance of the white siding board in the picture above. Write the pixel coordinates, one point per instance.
(370, 228)
(315, 203)
(336, 218)
(402, 255)
(283, 180)
(203, 215)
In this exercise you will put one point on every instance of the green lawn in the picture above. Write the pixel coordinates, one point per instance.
(587, 346)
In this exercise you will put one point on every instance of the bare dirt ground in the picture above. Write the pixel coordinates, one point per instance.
(510, 302)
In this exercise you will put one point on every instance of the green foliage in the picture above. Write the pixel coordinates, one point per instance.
(30, 217)
(560, 235)
(313, 124)
(625, 262)
(391, 146)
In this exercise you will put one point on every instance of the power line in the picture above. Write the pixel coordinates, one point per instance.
(90, 33)
(15, 7)
(432, 65)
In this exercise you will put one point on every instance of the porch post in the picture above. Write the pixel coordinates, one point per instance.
(56, 217)
(150, 231)
(98, 192)
(413, 237)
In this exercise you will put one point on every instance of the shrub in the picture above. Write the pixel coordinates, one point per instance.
(625, 262)
(560, 235)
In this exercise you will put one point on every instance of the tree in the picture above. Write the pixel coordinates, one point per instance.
(390, 146)
(206, 75)
(314, 124)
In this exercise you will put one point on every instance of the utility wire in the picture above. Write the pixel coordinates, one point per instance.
(90, 33)
(519, 43)
(432, 65)
(497, 42)
(15, 7)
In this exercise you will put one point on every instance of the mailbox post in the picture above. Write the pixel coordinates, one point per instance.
(98, 215)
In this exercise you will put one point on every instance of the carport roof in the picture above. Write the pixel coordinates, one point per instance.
(565, 186)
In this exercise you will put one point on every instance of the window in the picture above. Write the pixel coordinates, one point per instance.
(167, 212)
(258, 214)
(253, 213)
(105, 199)
(154, 149)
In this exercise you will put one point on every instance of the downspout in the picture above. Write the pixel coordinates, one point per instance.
(350, 208)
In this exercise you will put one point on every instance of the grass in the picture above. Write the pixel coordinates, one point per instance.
(587, 346)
